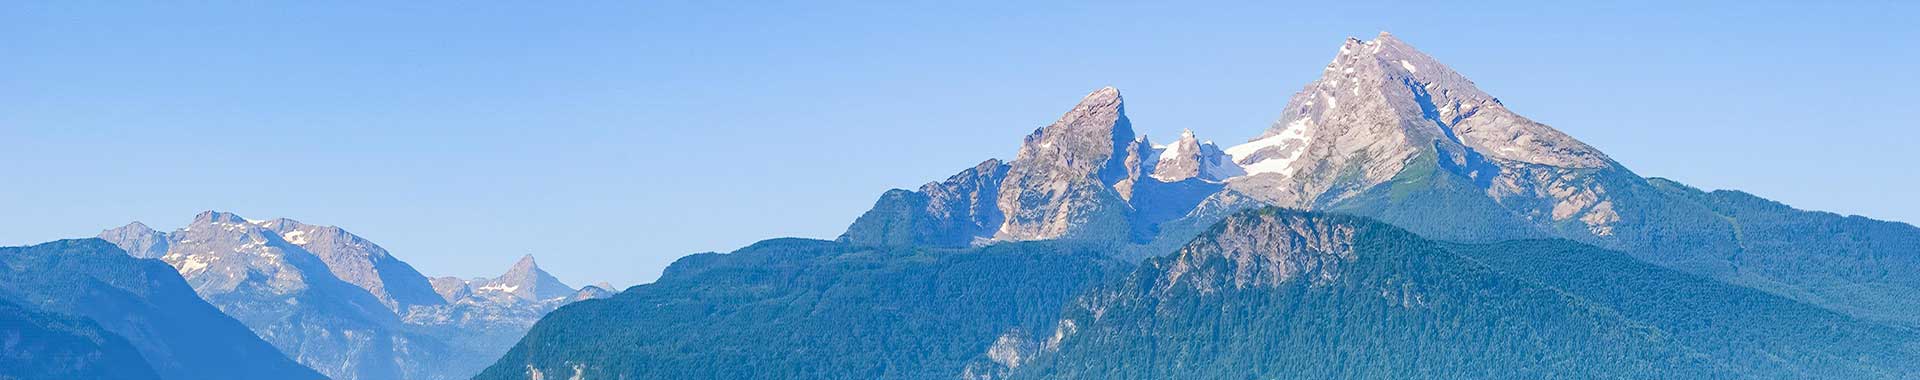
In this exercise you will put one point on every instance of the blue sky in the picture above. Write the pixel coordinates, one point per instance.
(608, 140)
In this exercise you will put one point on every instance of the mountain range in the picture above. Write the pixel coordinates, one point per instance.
(85, 309)
(342, 305)
(1396, 221)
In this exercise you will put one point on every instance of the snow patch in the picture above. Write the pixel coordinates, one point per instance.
(1173, 152)
(1408, 66)
(296, 237)
(500, 288)
(193, 263)
(1295, 135)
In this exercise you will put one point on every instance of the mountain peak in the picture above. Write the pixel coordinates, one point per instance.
(1188, 157)
(527, 281)
(1086, 150)
(1266, 247)
(211, 216)
(1380, 103)
(138, 240)
(1102, 94)
(133, 228)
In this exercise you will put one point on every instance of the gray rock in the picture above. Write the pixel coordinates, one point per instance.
(343, 305)
(1060, 185)
(290, 298)
(1189, 157)
(360, 262)
(138, 240)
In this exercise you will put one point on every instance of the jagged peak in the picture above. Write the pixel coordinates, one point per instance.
(989, 164)
(1388, 80)
(135, 227)
(211, 216)
(1097, 103)
(1104, 105)
(526, 263)
(1104, 94)
(1265, 247)
(282, 221)
(1092, 138)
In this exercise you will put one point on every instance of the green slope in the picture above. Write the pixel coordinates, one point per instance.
(1766, 335)
(1379, 302)
(36, 345)
(809, 309)
(145, 301)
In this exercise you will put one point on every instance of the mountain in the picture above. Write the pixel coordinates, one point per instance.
(100, 313)
(486, 316)
(292, 299)
(451, 288)
(1189, 157)
(48, 346)
(360, 262)
(1431, 232)
(1084, 177)
(526, 281)
(342, 304)
(600, 290)
(1277, 293)
(1390, 133)
(138, 240)
(1768, 335)
(799, 308)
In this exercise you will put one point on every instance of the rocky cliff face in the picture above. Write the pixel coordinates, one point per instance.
(1382, 110)
(1391, 133)
(1189, 157)
(1061, 184)
(1084, 177)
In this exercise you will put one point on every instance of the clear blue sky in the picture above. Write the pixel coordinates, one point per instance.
(608, 140)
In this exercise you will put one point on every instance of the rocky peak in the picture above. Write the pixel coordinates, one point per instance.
(1435, 101)
(600, 290)
(1090, 139)
(1264, 247)
(1379, 105)
(358, 261)
(1188, 157)
(210, 217)
(526, 281)
(1062, 184)
(525, 264)
(138, 240)
(450, 288)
